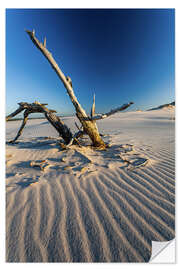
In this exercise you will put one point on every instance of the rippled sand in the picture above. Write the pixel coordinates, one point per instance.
(91, 206)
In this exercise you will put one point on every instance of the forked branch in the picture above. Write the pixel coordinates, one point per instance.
(88, 122)
(26, 113)
(89, 126)
(54, 120)
(105, 115)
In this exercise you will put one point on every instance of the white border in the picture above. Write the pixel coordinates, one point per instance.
(71, 4)
(2, 136)
(90, 4)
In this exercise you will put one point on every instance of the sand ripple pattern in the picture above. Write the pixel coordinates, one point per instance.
(109, 216)
(110, 212)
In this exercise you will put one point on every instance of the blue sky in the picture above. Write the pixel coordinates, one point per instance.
(121, 55)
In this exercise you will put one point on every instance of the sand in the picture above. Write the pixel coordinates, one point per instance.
(83, 205)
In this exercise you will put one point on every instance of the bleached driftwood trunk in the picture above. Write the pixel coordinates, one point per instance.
(88, 123)
(89, 126)
(37, 107)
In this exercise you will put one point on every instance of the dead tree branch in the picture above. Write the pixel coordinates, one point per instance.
(89, 126)
(26, 113)
(93, 107)
(20, 109)
(75, 137)
(102, 116)
(54, 120)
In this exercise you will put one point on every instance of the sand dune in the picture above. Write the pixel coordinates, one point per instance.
(91, 206)
(168, 106)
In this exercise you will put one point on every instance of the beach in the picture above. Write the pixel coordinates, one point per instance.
(87, 205)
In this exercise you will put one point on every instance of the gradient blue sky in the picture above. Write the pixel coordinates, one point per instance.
(121, 55)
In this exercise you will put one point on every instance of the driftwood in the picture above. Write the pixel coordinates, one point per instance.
(88, 122)
(54, 120)
(43, 165)
(102, 116)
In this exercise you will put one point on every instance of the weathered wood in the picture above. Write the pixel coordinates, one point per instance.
(26, 113)
(54, 120)
(20, 109)
(93, 107)
(93, 113)
(79, 128)
(75, 137)
(105, 115)
(89, 126)
(59, 125)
